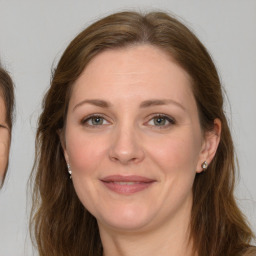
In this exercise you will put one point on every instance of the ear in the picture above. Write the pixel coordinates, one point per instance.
(210, 145)
(63, 144)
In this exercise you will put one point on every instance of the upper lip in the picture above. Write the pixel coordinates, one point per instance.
(129, 178)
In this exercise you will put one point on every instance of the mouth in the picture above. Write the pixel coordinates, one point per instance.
(127, 185)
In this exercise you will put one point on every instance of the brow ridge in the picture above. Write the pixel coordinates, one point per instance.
(159, 102)
(144, 104)
(96, 102)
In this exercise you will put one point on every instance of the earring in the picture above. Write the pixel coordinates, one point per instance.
(204, 166)
(69, 171)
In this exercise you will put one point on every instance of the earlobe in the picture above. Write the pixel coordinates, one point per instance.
(210, 146)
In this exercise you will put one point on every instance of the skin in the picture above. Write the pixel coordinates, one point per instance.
(4, 140)
(129, 141)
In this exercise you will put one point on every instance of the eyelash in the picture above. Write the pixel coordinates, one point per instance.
(169, 119)
(87, 119)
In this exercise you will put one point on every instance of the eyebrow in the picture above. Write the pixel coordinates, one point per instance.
(144, 104)
(95, 102)
(160, 102)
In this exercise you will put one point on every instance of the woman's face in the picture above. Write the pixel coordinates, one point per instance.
(4, 140)
(133, 139)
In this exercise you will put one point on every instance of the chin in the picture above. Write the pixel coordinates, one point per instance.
(126, 220)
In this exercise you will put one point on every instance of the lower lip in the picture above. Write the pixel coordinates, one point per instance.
(127, 189)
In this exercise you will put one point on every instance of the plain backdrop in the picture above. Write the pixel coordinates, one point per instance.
(33, 35)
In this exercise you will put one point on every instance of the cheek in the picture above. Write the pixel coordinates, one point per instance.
(84, 151)
(85, 154)
(172, 158)
(177, 153)
(4, 150)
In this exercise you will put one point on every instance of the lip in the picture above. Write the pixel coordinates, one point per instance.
(127, 185)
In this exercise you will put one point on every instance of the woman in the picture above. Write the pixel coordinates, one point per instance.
(6, 115)
(134, 154)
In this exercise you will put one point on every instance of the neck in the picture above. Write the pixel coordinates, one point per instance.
(169, 238)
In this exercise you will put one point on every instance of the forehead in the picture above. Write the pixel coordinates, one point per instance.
(141, 70)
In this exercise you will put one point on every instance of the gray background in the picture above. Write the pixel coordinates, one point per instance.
(33, 35)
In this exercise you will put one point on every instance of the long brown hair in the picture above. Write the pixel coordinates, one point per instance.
(61, 225)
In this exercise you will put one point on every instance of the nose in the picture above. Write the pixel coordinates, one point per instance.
(126, 147)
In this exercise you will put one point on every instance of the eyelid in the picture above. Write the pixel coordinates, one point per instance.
(87, 118)
(170, 119)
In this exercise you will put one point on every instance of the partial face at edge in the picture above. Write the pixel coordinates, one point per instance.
(4, 140)
(133, 119)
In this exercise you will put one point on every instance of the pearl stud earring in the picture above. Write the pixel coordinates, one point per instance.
(204, 166)
(69, 171)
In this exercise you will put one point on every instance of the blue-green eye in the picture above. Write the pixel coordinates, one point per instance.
(95, 120)
(161, 121)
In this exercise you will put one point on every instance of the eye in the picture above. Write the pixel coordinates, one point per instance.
(161, 121)
(94, 120)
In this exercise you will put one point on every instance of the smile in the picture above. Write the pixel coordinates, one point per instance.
(127, 185)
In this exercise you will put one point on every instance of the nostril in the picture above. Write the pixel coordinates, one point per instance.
(114, 159)
(127, 159)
